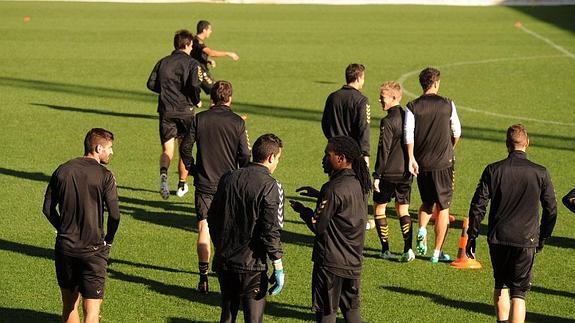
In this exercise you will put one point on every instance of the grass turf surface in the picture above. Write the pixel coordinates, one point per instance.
(74, 66)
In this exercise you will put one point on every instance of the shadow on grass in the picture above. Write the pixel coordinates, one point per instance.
(547, 291)
(481, 308)
(13, 315)
(561, 17)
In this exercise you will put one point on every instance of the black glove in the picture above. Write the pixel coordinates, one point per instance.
(470, 248)
(540, 245)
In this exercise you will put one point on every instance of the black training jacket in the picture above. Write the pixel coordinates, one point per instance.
(245, 220)
(198, 52)
(515, 187)
(347, 113)
(432, 147)
(391, 160)
(176, 78)
(74, 203)
(569, 200)
(222, 145)
(339, 224)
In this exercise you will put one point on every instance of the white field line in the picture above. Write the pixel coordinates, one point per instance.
(405, 76)
(548, 41)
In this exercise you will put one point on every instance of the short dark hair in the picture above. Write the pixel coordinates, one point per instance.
(353, 72)
(95, 137)
(202, 24)
(265, 145)
(516, 136)
(182, 38)
(427, 77)
(221, 92)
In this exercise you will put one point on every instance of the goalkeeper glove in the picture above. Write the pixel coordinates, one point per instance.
(277, 278)
(540, 245)
(470, 248)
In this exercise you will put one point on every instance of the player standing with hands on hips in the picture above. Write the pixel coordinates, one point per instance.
(515, 187)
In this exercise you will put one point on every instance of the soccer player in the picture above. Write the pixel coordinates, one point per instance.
(202, 53)
(569, 200)
(347, 111)
(391, 178)
(245, 221)
(338, 223)
(222, 145)
(176, 78)
(515, 187)
(432, 130)
(75, 199)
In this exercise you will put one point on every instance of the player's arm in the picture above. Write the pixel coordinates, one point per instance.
(51, 199)
(272, 219)
(569, 200)
(243, 146)
(327, 205)
(455, 125)
(112, 204)
(195, 78)
(216, 53)
(363, 127)
(409, 133)
(549, 213)
(326, 116)
(153, 84)
(187, 147)
(479, 202)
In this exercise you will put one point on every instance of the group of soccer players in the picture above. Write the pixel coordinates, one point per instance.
(244, 205)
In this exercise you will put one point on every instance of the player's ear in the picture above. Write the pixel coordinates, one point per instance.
(98, 148)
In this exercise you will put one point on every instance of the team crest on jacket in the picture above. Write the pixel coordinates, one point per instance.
(280, 205)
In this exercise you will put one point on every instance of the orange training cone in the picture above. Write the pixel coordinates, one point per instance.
(462, 261)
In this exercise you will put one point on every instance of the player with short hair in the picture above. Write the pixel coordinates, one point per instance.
(391, 178)
(246, 218)
(569, 200)
(222, 145)
(515, 187)
(432, 130)
(176, 78)
(347, 111)
(202, 53)
(338, 223)
(77, 195)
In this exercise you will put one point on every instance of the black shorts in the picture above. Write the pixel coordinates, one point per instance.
(175, 126)
(401, 191)
(87, 273)
(203, 202)
(512, 268)
(250, 284)
(436, 186)
(330, 291)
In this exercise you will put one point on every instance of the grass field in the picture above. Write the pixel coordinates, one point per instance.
(74, 66)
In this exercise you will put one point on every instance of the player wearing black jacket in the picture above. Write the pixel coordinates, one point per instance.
(338, 223)
(245, 221)
(569, 200)
(222, 145)
(432, 129)
(79, 192)
(347, 111)
(515, 187)
(202, 53)
(391, 176)
(176, 78)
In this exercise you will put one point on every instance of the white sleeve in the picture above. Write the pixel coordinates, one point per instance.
(409, 126)
(455, 124)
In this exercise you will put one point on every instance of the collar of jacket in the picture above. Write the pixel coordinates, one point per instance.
(259, 167)
(342, 172)
(347, 87)
(221, 106)
(178, 51)
(394, 108)
(518, 154)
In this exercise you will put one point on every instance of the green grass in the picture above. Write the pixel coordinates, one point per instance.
(74, 66)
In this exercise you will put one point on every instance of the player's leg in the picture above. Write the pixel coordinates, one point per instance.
(517, 311)
(203, 202)
(229, 282)
(70, 303)
(254, 296)
(380, 200)
(502, 304)
(165, 159)
(92, 283)
(425, 210)
(402, 199)
(184, 125)
(326, 291)
(349, 300)
(443, 184)
(92, 310)
(441, 225)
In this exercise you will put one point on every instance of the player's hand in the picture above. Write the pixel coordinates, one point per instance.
(413, 167)
(376, 185)
(277, 278)
(308, 191)
(234, 56)
(212, 63)
(470, 248)
(540, 246)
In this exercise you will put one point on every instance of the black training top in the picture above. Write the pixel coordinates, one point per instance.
(339, 225)
(222, 145)
(245, 220)
(432, 146)
(391, 161)
(74, 203)
(347, 113)
(176, 78)
(515, 187)
(569, 200)
(198, 52)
